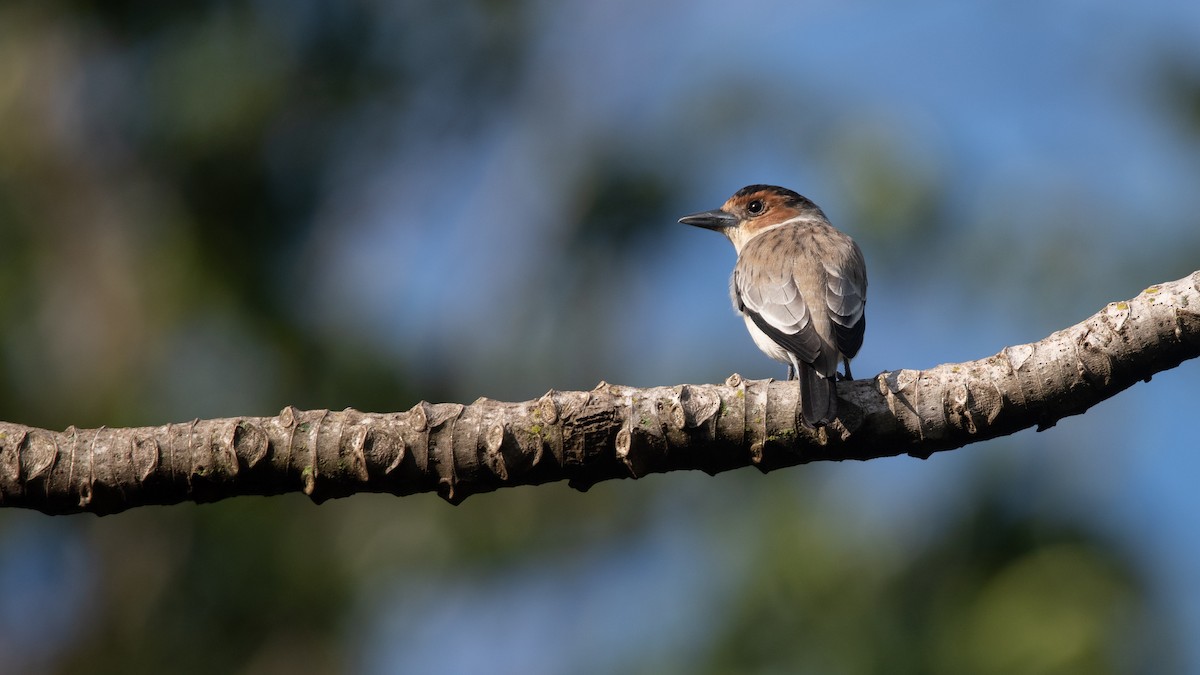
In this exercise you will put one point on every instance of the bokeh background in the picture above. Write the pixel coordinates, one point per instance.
(220, 208)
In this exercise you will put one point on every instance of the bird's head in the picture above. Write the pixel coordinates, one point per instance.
(753, 209)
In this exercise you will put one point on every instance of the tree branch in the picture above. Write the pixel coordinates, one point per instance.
(609, 432)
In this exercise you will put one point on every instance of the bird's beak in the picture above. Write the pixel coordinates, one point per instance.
(711, 220)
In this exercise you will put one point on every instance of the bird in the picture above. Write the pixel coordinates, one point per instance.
(799, 283)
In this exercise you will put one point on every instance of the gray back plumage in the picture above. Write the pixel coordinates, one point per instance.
(805, 285)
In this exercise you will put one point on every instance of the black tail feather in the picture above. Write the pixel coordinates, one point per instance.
(818, 397)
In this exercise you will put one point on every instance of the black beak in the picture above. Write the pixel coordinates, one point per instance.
(711, 220)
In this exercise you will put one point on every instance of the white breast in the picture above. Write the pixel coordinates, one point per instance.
(766, 344)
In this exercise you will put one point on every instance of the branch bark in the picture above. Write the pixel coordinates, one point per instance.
(609, 432)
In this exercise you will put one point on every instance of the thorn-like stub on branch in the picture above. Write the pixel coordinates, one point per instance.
(353, 440)
(494, 438)
(734, 380)
(85, 494)
(960, 396)
(1046, 424)
(894, 382)
(493, 442)
(547, 409)
(287, 416)
(10, 457)
(959, 401)
(906, 379)
(675, 414)
(445, 490)
(756, 452)
(1018, 356)
(308, 477)
(382, 444)
(600, 385)
(353, 461)
(353, 446)
(420, 416)
(624, 444)
(882, 383)
(225, 456)
(698, 405)
(685, 404)
(250, 443)
(41, 453)
(145, 454)
(439, 414)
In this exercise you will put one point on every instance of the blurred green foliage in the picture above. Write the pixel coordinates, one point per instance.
(161, 173)
(996, 593)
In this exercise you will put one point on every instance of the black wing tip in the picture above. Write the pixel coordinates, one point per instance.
(850, 339)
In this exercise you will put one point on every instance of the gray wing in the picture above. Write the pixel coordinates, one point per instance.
(846, 298)
(769, 295)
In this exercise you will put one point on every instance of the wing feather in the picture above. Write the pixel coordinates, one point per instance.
(768, 294)
(846, 298)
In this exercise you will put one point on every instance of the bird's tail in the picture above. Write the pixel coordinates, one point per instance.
(818, 396)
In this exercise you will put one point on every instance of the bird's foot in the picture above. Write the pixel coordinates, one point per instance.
(846, 367)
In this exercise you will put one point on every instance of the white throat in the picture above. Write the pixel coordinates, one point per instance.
(739, 236)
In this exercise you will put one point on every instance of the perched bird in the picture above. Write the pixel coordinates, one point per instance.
(800, 284)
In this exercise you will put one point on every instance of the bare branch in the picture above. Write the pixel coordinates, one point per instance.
(609, 432)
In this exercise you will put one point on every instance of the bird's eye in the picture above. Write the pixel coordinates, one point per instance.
(755, 207)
